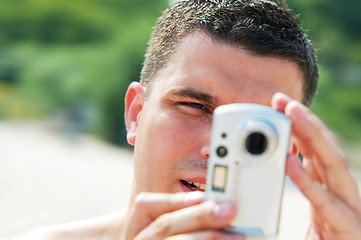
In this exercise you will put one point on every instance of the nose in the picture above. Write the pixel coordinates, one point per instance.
(205, 141)
(205, 151)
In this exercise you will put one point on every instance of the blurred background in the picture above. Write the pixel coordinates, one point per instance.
(64, 70)
(73, 60)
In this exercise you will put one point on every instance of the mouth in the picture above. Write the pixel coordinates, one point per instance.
(193, 186)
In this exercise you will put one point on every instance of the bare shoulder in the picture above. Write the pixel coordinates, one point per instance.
(103, 227)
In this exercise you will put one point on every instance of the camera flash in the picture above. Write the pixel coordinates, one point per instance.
(219, 178)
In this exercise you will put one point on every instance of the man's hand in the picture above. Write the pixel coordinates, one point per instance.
(324, 176)
(177, 216)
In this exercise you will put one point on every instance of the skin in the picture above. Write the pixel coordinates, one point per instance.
(170, 130)
(177, 115)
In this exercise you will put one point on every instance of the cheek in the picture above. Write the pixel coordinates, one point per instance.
(172, 137)
(178, 135)
(165, 139)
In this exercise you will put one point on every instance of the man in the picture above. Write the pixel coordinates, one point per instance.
(204, 54)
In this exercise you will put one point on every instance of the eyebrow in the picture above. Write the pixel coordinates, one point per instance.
(190, 92)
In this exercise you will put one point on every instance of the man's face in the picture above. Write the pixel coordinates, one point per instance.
(172, 136)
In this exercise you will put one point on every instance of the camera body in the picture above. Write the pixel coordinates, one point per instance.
(249, 145)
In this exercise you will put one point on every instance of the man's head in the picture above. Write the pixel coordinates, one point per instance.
(265, 28)
(204, 54)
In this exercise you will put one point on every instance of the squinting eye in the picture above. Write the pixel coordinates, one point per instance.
(195, 105)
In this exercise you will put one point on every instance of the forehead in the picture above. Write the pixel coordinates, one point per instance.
(228, 73)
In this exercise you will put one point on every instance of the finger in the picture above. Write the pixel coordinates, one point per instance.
(316, 142)
(315, 232)
(313, 133)
(328, 207)
(280, 101)
(149, 206)
(208, 215)
(309, 167)
(216, 235)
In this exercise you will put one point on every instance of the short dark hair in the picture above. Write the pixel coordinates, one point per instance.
(263, 27)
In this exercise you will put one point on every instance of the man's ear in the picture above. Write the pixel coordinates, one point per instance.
(134, 102)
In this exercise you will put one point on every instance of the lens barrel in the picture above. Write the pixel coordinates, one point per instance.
(256, 143)
(222, 151)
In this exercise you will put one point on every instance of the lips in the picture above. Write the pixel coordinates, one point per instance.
(193, 186)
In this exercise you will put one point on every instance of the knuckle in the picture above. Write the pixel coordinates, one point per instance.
(320, 206)
(305, 186)
(205, 215)
(163, 225)
(328, 204)
(339, 163)
(141, 200)
(344, 211)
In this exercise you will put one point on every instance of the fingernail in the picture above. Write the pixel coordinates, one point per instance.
(235, 237)
(222, 209)
(304, 110)
(283, 96)
(296, 109)
(279, 101)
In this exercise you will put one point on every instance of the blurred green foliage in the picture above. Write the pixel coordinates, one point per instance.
(55, 55)
(335, 28)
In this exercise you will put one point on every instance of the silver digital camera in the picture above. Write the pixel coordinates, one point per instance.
(249, 144)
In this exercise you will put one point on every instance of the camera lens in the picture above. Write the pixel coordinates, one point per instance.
(256, 143)
(221, 151)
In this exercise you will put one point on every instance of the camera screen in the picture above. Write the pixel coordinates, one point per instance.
(219, 178)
